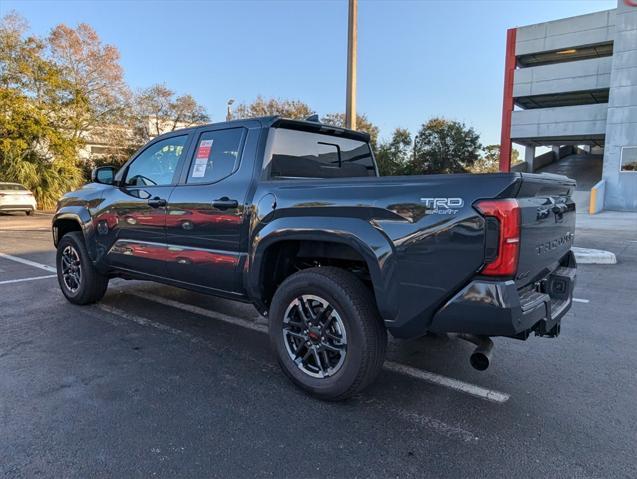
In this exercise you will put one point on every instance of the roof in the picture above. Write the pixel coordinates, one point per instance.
(280, 122)
(317, 127)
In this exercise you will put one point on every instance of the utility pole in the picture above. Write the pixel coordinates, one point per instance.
(352, 43)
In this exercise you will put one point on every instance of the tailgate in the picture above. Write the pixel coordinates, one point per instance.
(547, 214)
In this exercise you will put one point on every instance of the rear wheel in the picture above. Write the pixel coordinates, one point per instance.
(327, 333)
(29, 212)
(79, 281)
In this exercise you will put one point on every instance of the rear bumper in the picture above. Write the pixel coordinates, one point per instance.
(11, 207)
(498, 308)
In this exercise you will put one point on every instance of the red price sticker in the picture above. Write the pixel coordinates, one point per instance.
(204, 149)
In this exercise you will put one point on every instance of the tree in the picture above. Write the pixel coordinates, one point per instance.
(362, 124)
(445, 146)
(158, 110)
(394, 155)
(36, 148)
(153, 111)
(99, 95)
(490, 160)
(294, 109)
(58, 94)
(99, 102)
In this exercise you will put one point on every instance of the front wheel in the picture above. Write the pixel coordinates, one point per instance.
(79, 281)
(327, 333)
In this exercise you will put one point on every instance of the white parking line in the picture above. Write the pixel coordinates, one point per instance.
(17, 259)
(262, 328)
(9, 281)
(468, 388)
(449, 430)
(580, 300)
(177, 332)
(456, 384)
(147, 322)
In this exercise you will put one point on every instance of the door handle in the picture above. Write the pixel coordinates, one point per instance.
(157, 202)
(225, 203)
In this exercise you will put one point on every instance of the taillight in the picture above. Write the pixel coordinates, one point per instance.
(507, 214)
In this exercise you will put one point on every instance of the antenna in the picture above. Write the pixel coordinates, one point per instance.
(314, 118)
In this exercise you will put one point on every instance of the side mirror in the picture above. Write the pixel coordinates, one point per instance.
(104, 175)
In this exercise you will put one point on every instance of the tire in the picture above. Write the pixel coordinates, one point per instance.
(361, 349)
(89, 286)
(29, 212)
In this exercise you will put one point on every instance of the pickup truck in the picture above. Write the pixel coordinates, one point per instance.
(293, 217)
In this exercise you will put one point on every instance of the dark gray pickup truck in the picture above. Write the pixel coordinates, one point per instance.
(292, 217)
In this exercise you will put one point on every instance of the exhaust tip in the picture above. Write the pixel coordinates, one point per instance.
(479, 361)
(481, 356)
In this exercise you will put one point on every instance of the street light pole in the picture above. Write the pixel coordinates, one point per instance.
(229, 109)
(352, 41)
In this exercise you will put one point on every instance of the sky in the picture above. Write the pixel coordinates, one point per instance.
(416, 59)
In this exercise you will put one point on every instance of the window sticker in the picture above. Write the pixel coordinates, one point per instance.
(199, 171)
(201, 159)
(204, 149)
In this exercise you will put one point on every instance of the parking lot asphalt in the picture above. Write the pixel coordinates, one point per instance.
(158, 382)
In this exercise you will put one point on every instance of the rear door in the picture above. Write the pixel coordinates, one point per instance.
(206, 217)
(547, 224)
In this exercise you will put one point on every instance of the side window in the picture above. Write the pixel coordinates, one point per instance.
(157, 164)
(300, 154)
(216, 155)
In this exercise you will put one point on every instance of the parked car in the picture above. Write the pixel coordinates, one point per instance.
(292, 217)
(16, 197)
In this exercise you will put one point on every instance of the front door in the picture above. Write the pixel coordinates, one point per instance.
(132, 225)
(206, 214)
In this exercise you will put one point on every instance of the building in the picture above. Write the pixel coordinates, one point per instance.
(571, 85)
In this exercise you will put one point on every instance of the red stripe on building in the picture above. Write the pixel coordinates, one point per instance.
(507, 102)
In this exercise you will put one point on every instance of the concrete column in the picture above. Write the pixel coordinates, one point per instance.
(556, 152)
(529, 156)
(621, 187)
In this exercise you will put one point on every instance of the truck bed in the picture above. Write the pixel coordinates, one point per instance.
(430, 237)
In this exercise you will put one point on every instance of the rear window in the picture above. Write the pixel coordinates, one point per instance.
(300, 154)
(11, 187)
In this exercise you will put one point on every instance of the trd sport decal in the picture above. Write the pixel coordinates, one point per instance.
(442, 206)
